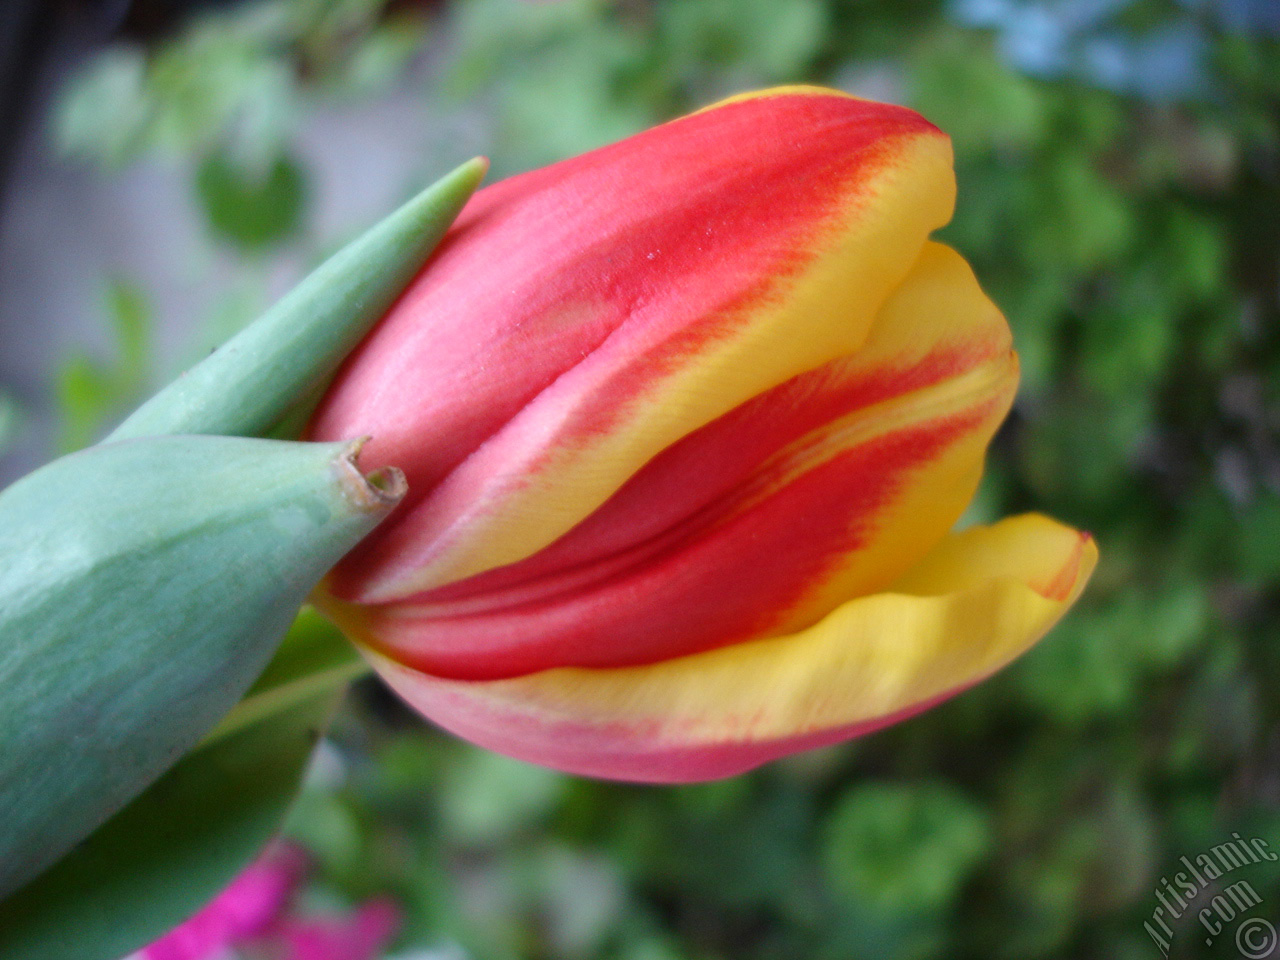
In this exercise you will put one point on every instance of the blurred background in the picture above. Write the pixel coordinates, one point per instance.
(167, 168)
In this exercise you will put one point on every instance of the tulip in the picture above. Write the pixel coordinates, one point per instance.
(687, 421)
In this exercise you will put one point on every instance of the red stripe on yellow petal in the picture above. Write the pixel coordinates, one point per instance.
(750, 566)
(824, 488)
(871, 661)
(584, 317)
(937, 326)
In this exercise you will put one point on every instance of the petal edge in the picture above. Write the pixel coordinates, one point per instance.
(726, 711)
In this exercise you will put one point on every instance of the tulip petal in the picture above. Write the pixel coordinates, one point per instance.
(976, 602)
(582, 318)
(760, 523)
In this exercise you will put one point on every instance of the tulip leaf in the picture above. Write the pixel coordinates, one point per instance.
(130, 631)
(245, 387)
(172, 849)
(314, 657)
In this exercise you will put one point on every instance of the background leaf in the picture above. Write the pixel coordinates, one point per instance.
(252, 208)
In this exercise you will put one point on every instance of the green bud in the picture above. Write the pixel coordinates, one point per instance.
(144, 585)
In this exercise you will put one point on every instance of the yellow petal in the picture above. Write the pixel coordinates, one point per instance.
(944, 350)
(664, 372)
(827, 487)
(980, 599)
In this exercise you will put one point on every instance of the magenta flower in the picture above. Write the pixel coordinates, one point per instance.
(359, 936)
(256, 911)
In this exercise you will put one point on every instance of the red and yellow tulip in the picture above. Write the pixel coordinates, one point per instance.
(687, 421)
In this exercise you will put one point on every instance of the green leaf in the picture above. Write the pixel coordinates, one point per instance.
(85, 393)
(382, 57)
(761, 41)
(904, 848)
(102, 112)
(245, 387)
(172, 849)
(252, 209)
(130, 314)
(91, 392)
(314, 657)
(959, 83)
(145, 586)
(486, 798)
(1255, 545)
(255, 379)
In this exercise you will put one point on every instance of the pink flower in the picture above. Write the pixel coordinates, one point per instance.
(243, 911)
(256, 910)
(358, 937)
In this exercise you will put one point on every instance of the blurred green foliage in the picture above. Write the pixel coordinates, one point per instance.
(92, 392)
(1127, 225)
(10, 421)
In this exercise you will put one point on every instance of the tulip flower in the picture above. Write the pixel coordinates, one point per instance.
(687, 421)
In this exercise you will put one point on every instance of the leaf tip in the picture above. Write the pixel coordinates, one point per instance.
(376, 492)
